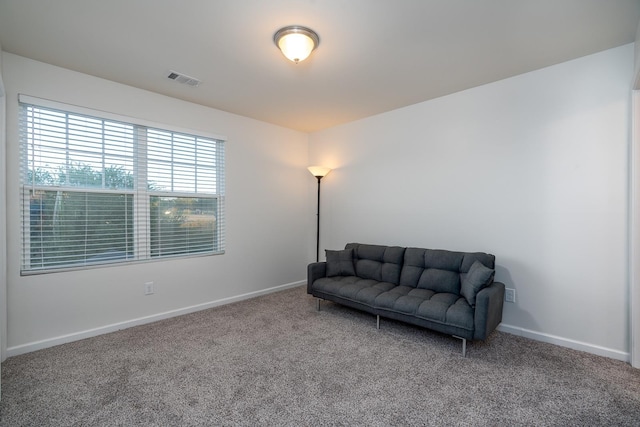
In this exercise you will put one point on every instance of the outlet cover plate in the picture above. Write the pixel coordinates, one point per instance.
(510, 295)
(148, 288)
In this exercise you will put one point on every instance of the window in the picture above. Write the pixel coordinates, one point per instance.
(97, 189)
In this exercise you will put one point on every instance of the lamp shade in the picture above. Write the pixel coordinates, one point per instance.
(319, 171)
(296, 42)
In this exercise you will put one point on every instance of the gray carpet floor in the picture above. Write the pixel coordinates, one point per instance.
(275, 360)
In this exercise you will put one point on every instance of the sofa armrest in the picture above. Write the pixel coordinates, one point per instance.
(315, 270)
(488, 315)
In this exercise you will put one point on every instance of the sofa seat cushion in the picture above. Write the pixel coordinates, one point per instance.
(441, 307)
(403, 299)
(354, 288)
(449, 309)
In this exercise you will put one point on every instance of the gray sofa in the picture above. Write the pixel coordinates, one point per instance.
(449, 292)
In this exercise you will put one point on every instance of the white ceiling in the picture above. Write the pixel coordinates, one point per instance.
(374, 55)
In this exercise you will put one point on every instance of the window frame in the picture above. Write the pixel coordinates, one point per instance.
(141, 192)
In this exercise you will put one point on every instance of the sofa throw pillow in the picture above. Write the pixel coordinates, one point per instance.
(340, 263)
(476, 279)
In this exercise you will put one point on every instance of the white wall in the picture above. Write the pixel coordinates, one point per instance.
(533, 169)
(3, 210)
(267, 216)
(635, 211)
(636, 68)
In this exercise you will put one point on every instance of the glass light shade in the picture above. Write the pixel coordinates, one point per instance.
(295, 42)
(319, 171)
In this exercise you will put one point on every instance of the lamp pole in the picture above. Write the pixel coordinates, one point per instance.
(318, 223)
(319, 172)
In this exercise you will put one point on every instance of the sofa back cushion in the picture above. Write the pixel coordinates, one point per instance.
(439, 270)
(433, 269)
(376, 262)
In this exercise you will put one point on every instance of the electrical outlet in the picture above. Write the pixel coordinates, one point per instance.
(510, 295)
(148, 288)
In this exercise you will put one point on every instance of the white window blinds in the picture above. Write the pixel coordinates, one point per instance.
(101, 190)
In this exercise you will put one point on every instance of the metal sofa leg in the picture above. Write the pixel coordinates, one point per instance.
(317, 304)
(378, 321)
(464, 345)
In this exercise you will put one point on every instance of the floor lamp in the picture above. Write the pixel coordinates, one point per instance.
(319, 172)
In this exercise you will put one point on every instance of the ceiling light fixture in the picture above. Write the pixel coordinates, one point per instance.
(296, 42)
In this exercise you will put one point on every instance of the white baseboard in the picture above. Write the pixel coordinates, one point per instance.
(565, 342)
(63, 339)
(514, 330)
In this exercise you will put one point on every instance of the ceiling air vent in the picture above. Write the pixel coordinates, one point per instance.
(184, 79)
